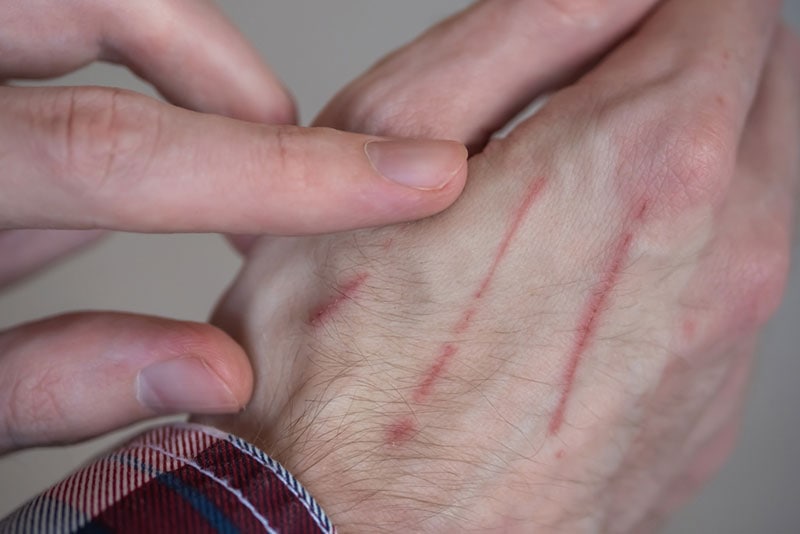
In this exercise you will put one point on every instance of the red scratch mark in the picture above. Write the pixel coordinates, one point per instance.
(594, 309)
(435, 372)
(403, 430)
(588, 325)
(465, 321)
(641, 212)
(533, 192)
(449, 350)
(345, 292)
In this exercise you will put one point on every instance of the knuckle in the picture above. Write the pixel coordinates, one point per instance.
(692, 168)
(677, 162)
(101, 138)
(749, 281)
(760, 281)
(758, 286)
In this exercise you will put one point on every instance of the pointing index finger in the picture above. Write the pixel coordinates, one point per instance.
(100, 158)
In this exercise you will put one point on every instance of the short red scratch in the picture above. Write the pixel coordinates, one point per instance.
(588, 325)
(639, 214)
(345, 292)
(435, 372)
(404, 429)
(401, 431)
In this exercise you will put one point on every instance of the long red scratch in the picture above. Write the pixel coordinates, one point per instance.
(405, 429)
(587, 325)
(533, 192)
(344, 292)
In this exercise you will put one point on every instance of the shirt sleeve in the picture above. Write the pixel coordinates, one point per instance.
(172, 479)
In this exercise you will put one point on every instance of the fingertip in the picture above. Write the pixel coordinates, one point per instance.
(409, 180)
(230, 362)
(113, 369)
(422, 165)
(227, 370)
(447, 195)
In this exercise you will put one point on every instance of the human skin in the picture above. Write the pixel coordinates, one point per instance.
(567, 347)
(218, 157)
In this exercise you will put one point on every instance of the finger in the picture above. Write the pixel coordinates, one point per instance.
(26, 251)
(469, 75)
(98, 158)
(713, 50)
(751, 255)
(73, 377)
(757, 219)
(768, 152)
(711, 437)
(757, 215)
(751, 250)
(186, 48)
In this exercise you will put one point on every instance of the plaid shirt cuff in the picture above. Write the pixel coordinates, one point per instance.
(176, 478)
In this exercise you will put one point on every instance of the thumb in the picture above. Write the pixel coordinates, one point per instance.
(103, 158)
(73, 377)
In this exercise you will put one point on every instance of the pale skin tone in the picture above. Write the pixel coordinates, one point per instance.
(75, 162)
(566, 348)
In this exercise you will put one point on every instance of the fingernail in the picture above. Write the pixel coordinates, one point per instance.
(425, 165)
(184, 384)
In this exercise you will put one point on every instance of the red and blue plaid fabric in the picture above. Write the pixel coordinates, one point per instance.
(172, 479)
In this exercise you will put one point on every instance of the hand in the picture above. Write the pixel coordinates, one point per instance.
(567, 347)
(94, 159)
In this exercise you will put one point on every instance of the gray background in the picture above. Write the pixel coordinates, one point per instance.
(316, 47)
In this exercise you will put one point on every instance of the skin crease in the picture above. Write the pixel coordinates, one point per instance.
(598, 379)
